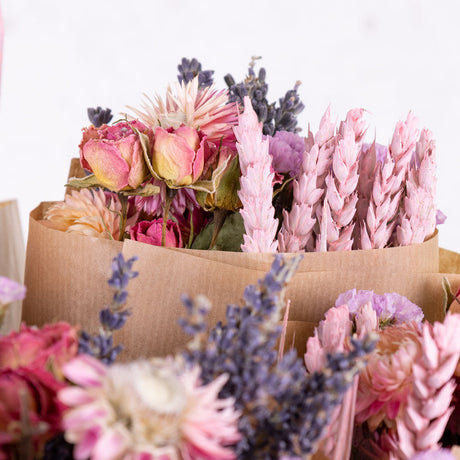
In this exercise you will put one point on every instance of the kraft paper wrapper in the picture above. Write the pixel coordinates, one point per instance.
(67, 274)
(12, 255)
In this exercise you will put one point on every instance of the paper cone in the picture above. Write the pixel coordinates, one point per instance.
(12, 256)
(66, 276)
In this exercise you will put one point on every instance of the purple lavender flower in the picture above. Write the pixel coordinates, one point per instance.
(286, 149)
(10, 291)
(190, 68)
(390, 308)
(113, 317)
(99, 116)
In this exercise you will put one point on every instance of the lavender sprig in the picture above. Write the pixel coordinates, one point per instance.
(284, 410)
(99, 116)
(112, 317)
(189, 69)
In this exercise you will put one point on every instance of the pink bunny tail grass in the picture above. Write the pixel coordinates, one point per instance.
(297, 226)
(256, 180)
(422, 424)
(418, 212)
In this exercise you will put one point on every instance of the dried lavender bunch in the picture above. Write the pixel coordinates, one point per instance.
(282, 118)
(284, 410)
(99, 116)
(112, 317)
(191, 68)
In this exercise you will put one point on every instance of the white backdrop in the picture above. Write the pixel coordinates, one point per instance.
(62, 56)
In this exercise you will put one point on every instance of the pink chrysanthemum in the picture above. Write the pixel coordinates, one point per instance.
(88, 212)
(146, 410)
(205, 109)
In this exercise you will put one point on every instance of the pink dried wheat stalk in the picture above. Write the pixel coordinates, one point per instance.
(418, 213)
(377, 227)
(424, 420)
(298, 223)
(256, 191)
(341, 194)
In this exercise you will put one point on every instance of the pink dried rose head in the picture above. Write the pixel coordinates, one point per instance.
(29, 409)
(179, 156)
(48, 347)
(146, 410)
(115, 154)
(87, 212)
(150, 232)
(386, 382)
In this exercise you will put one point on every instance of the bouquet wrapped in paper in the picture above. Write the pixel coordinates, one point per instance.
(206, 185)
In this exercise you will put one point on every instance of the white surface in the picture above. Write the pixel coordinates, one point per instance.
(61, 57)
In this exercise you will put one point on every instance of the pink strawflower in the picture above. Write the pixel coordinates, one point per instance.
(206, 109)
(87, 212)
(146, 410)
(256, 180)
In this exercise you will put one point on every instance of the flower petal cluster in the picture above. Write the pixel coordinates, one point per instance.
(146, 410)
(87, 212)
(286, 150)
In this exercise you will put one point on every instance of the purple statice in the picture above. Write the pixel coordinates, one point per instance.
(99, 116)
(284, 409)
(112, 317)
(191, 68)
(287, 150)
(390, 308)
(440, 217)
(282, 118)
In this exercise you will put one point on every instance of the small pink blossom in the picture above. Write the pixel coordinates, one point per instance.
(150, 232)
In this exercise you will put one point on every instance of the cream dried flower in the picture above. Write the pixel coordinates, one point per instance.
(87, 212)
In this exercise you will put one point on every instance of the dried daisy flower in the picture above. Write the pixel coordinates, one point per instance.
(147, 410)
(87, 212)
(186, 104)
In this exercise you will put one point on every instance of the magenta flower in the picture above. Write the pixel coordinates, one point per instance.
(144, 410)
(150, 233)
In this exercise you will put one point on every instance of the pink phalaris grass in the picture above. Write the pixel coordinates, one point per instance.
(423, 421)
(401, 147)
(377, 227)
(418, 213)
(341, 194)
(256, 192)
(298, 223)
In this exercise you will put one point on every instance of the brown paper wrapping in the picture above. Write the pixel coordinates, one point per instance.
(66, 276)
(12, 255)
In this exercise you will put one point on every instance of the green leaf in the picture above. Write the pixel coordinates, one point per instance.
(146, 190)
(230, 236)
(84, 182)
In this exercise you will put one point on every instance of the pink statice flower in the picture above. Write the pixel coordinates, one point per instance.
(10, 291)
(390, 308)
(146, 410)
(287, 150)
(440, 217)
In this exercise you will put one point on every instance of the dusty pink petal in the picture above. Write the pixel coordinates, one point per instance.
(74, 396)
(85, 446)
(111, 445)
(315, 355)
(82, 418)
(107, 164)
(85, 370)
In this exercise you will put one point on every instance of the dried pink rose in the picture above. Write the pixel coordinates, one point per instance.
(150, 232)
(115, 154)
